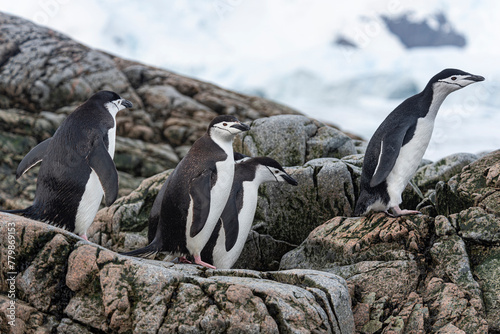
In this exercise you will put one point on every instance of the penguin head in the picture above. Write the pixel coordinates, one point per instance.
(450, 80)
(226, 127)
(111, 101)
(269, 170)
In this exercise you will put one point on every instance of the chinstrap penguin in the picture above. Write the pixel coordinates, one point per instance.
(398, 145)
(195, 193)
(77, 166)
(231, 232)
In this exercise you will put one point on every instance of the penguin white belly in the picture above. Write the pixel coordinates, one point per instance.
(408, 160)
(93, 194)
(219, 195)
(112, 141)
(224, 259)
(89, 204)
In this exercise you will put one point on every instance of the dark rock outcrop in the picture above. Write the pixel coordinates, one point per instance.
(413, 34)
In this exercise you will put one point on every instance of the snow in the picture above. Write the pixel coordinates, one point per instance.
(284, 50)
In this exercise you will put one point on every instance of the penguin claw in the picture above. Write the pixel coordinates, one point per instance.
(390, 214)
(182, 259)
(197, 260)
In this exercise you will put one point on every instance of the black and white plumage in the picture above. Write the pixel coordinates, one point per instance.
(398, 145)
(77, 166)
(195, 194)
(231, 232)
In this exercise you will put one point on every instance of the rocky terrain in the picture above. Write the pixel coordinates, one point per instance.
(307, 266)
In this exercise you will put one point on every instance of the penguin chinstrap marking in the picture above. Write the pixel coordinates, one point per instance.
(398, 145)
(231, 232)
(195, 194)
(77, 166)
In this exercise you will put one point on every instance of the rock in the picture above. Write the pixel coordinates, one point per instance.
(139, 158)
(343, 241)
(262, 252)
(478, 184)
(101, 291)
(451, 260)
(429, 175)
(414, 33)
(449, 304)
(477, 225)
(324, 190)
(292, 140)
(488, 273)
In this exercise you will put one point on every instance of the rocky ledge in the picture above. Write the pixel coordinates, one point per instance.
(67, 285)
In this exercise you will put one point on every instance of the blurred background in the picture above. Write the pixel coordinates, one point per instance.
(348, 64)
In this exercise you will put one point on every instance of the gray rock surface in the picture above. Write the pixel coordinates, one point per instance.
(419, 273)
(68, 285)
(293, 140)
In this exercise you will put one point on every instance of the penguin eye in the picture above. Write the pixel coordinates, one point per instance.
(453, 78)
(224, 124)
(276, 172)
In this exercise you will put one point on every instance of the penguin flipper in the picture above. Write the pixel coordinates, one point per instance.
(230, 222)
(389, 152)
(32, 158)
(200, 195)
(100, 161)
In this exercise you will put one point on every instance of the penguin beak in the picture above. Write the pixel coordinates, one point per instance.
(126, 103)
(290, 179)
(475, 78)
(241, 127)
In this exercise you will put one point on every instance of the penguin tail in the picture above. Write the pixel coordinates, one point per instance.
(362, 204)
(23, 212)
(148, 251)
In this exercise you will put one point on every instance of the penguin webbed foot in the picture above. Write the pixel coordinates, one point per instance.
(398, 212)
(197, 260)
(183, 259)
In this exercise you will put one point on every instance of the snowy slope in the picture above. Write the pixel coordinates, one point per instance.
(284, 50)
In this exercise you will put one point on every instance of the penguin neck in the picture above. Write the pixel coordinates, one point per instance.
(436, 97)
(225, 143)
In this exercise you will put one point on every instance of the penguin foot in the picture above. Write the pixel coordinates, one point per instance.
(389, 214)
(84, 236)
(398, 212)
(183, 259)
(197, 260)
